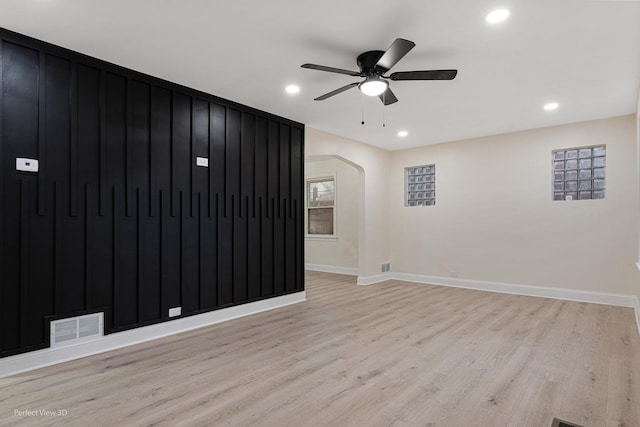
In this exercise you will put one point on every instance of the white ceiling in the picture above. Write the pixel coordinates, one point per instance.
(583, 54)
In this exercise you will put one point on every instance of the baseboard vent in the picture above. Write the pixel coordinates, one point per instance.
(73, 330)
(560, 423)
(385, 267)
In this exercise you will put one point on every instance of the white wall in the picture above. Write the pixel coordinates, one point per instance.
(638, 166)
(373, 248)
(494, 219)
(341, 251)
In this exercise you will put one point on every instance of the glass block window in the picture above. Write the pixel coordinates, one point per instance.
(578, 173)
(321, 203)
(420, 182)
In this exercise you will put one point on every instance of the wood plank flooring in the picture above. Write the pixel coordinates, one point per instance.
(395, 353)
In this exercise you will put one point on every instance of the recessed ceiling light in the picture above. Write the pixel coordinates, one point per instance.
(292, 89)
(497, 16)
(550, 106)
(403, 133)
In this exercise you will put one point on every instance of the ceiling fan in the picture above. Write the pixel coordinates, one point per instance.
(373, 64)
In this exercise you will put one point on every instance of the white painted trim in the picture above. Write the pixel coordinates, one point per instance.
(332, 269)
(620, 300)
(38, 359)
(371, 280)
(638, 265)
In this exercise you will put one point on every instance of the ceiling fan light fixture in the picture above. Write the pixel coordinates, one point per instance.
(373, 86)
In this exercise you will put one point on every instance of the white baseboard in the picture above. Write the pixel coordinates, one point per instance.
(620, 300)
(372, 280)
(40, 358)
(332, 269)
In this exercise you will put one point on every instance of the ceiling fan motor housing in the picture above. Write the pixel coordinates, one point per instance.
(367, 62)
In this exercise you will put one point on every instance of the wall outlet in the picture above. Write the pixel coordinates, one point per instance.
(453, 274)
(175, 311)
(385, 267)
(202, 161)
(26, 165)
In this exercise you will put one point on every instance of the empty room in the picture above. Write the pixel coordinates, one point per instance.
(337, 213)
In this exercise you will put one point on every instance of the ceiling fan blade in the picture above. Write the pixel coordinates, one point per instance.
(335, 92)
(388, 97)
(331, 69)
(398, 49)
(424, 75)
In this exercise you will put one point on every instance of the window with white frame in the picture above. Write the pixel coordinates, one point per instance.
(420, 184)
(321, 206)
(578, 173)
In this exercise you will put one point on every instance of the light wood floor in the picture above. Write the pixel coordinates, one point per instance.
(389, 354)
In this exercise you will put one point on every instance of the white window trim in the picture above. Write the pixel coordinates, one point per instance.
(321, 237)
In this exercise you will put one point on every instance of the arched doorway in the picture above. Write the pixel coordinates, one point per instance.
(339, 252)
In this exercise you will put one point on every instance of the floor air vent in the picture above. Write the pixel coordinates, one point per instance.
(73, 330)
(560, 423)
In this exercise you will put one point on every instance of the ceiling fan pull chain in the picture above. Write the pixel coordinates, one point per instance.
(362, 103)
(384, 103)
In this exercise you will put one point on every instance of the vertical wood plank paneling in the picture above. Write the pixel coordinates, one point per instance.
(174, 157)
(183, 287)
(161, 142)
(232, 160)
(208, 257)
(274, 165)
(149, 258)
(182, 149)
(57, 248)
(285, 166)
(217, 158)
(140, 253)
(127, 222)
(103, 192)
(162, 256)
(89, 214)
(128, 148)
(266, 248)
(240, 251)
(192, 167)
(200, 148)
(140, 138)
(116, 116)
(225, 254)
(73, 143)
(247, 158)
(57, 125)
(88, 130)
(24, 262)
(20, 138)
(115, 256)
(42, 152)
(201, 261)
(297, 195)
(153, 152)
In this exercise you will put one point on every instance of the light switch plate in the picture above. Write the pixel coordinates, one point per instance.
(26, 165)
(202, 161)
